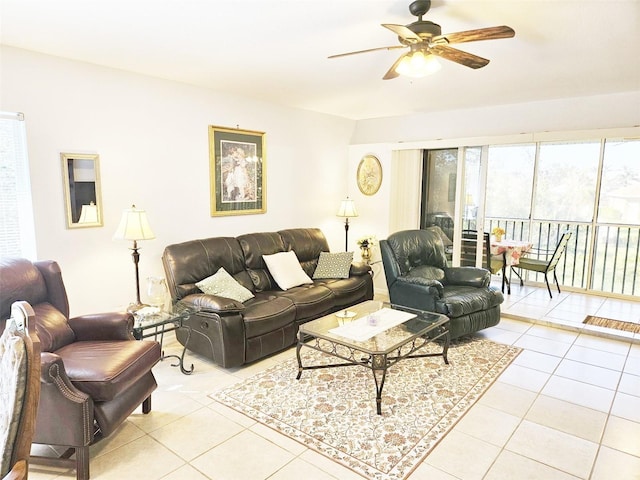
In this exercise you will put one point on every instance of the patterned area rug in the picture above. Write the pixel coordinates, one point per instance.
(615, 324)
(333, 410)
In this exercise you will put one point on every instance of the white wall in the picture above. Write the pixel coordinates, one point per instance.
(151, 136)
(618, 110)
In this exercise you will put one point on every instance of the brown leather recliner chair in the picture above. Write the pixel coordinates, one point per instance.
(93, 373)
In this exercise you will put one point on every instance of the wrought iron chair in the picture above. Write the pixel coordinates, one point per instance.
(544, 265)
(19, 390)
(493, 263)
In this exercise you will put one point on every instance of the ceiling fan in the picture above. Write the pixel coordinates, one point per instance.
(424, 40)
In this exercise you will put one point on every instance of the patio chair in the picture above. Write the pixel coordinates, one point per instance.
(493, 263)
(544, 265)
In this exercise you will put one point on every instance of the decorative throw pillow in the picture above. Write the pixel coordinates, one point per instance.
(333, 265)
(285, 269)
(224, 285)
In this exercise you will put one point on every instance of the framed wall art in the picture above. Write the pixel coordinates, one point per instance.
(237, 168)
(369, 175)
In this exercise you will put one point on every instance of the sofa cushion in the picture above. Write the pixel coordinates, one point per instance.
(349, 291)
(254, 246)
(333, 265)
(224, 285)
(103, 369)
(285, 269)
(190, 262)
(307, 243)
(311, 301)
(267, 313)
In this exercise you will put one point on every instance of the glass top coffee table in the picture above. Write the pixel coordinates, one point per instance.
(374, 335)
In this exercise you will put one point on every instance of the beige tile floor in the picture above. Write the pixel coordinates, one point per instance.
(567, 408)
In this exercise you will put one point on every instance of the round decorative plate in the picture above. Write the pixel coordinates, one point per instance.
(369, 175)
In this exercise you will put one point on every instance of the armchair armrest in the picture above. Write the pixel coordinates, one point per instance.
(432, 287)
(212, 303)
(468, 276)
(103, 326)
(59, 398)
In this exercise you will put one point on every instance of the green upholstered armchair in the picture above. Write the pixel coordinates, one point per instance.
(545, 262)
(417, 275)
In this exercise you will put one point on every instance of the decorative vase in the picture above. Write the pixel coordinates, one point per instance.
(365, 253)
(498, 238)
(157, 292)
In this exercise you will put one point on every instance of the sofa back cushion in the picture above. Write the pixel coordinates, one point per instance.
(254, 246)
(416, 248)
(307, 243)
(187, 263)
(52, 327)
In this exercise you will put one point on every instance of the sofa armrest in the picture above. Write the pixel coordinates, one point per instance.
(359, 268)
(468, 276)
(212, 303)
(103, 326)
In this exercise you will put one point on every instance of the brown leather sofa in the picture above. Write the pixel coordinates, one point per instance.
(232, 333)
(93, 373)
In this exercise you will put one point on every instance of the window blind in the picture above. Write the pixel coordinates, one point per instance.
(17, 232)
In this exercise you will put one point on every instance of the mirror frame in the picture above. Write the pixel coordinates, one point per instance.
(68, 182)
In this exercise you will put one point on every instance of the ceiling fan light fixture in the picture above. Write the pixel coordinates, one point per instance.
(417, 65)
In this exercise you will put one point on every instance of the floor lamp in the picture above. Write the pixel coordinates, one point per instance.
(347, 210)
(134, 225)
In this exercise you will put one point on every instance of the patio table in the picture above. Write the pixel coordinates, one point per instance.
(511, 251)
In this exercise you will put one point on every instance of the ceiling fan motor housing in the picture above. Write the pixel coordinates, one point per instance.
(425, 29)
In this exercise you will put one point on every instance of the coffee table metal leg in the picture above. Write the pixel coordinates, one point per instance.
(445, 349)
(298, 346)
(379, 369)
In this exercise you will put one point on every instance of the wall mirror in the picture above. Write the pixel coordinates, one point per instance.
(83, 200)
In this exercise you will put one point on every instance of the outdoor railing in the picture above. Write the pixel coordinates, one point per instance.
(605, 260)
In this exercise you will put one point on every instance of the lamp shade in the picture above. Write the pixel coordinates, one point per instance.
(347, 208)
(89, 213)
(134, 225)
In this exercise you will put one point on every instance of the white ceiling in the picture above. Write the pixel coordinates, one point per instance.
(276, 50)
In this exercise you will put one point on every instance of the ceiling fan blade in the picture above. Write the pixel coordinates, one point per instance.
(491, 33)
(394, 47)
(403, 32)
(391, 73)
(458, 56)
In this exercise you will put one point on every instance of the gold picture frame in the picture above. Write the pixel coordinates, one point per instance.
(369, 175)
(237, 169)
